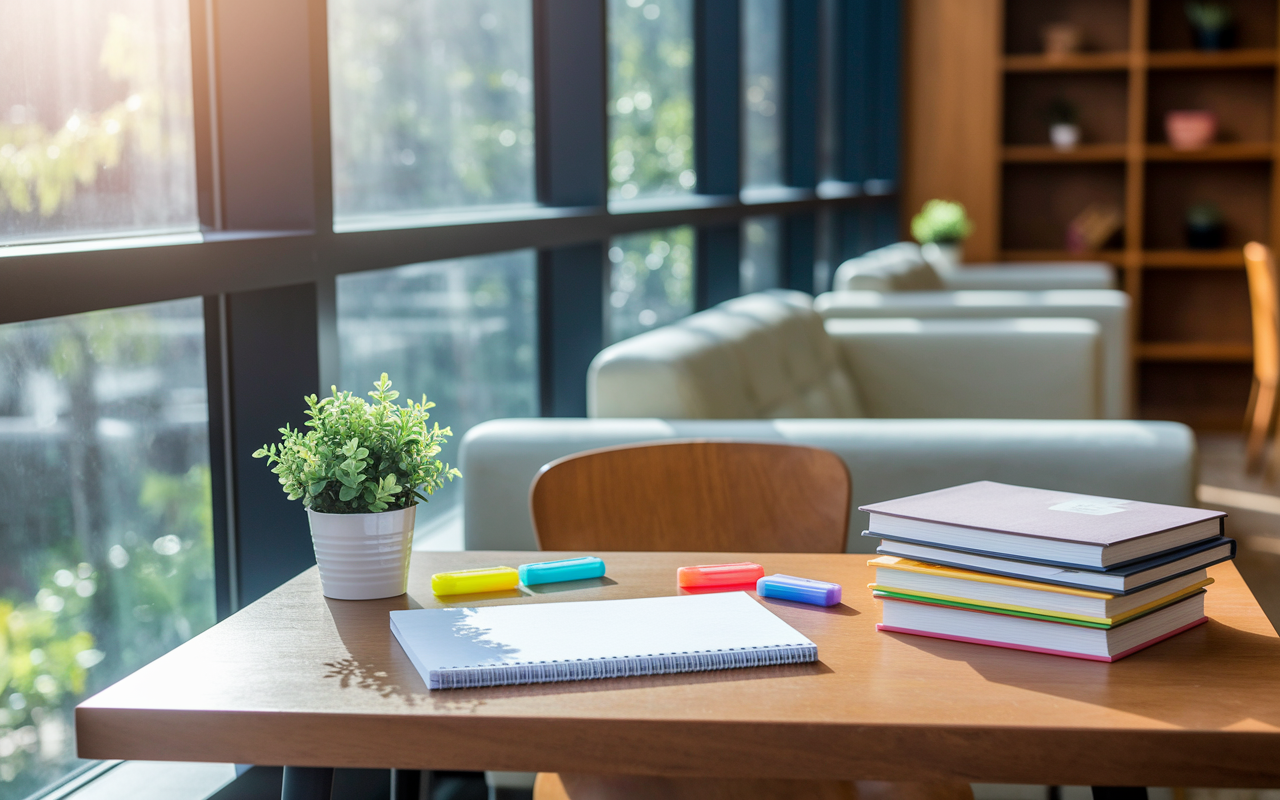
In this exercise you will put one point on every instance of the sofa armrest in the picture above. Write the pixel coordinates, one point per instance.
(1031, 277)
(887, 458)
(973, 368)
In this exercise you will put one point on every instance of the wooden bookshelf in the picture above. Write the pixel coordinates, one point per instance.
(1190, 307)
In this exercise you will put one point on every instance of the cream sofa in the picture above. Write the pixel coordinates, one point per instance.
(896, 282)
(766, 368)
(770, 355)
(905, 266)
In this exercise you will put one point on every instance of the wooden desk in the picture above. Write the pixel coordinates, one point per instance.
(299, 680)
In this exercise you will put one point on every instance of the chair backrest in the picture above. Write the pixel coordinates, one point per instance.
(762, 356)
(1263, 300)
(694, 496)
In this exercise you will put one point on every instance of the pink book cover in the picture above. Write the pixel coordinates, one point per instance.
(894, 629)
(1041, 513)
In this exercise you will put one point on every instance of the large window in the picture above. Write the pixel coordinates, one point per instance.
(464, 333)
(650, 281)
(761, 265)
(105, 516)
(96, 133)
(431, 104)
(762, 92)
(650, 98)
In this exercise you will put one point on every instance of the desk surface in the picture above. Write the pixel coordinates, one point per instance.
(299, 680)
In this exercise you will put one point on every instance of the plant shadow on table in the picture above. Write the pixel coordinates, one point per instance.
(1177, 668)
(378, 664)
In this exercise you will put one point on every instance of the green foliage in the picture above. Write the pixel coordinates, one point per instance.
(361, 457)
(1204, 215)
(1063, 112)
(41, 170)
(941, 222)
(651, 100)
(1209, 16)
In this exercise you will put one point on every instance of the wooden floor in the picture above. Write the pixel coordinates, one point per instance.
(1253, 505)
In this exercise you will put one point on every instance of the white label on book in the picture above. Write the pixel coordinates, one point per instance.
(1094, 506)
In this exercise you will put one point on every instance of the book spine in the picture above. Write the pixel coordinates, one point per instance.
(656, 664)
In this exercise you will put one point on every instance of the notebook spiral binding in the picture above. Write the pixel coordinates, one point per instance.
(654, 664)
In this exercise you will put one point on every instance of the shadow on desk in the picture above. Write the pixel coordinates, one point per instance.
(1187, 659)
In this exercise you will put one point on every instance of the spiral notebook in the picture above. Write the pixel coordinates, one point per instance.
(541, 642)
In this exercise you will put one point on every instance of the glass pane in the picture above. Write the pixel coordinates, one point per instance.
(96, 132)
(462, 332)
(760, 267)
(762, 87)
(651, 281)
(105, 516)
(431, 104)
(650, 98)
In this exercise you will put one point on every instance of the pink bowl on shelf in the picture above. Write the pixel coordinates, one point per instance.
(1190, 130)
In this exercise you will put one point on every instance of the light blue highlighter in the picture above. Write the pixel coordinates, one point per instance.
(569, 569)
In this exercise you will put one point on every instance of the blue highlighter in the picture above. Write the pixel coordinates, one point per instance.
(799, 590)
(569, 569)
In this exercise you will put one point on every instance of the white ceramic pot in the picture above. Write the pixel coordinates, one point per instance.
(945, 258)
(1064, 136)
(363, 556)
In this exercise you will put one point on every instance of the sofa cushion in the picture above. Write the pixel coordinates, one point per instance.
(760, 356)
(896, 268)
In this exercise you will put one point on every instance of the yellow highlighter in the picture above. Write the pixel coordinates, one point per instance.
(475, 581)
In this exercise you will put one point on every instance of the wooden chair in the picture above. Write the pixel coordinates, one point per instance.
(701, 496)
(1263, 300)
(708, 496)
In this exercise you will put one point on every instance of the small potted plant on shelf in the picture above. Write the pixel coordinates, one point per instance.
(1064, 124)
(360, 471)
(1206, 229)
(1211, 25)
(941, 228)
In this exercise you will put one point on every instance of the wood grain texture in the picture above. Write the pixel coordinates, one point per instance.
(704, 496)
(952, 113)
(298, 679)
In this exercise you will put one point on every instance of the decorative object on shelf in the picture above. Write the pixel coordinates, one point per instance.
(1191, 129)
(941, 228)
(1206, 229)
(1212, 25)
(1062, 39)
(1093, 228)
(360, 472)
(1064, 124)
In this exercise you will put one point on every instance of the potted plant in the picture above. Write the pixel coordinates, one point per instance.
(1206, 229)
(1064, 124)
(360, 472)
(941, 228)
(1211, 25)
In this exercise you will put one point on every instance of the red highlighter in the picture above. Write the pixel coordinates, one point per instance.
(708, 575)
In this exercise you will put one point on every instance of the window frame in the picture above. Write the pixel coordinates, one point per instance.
(267, 255)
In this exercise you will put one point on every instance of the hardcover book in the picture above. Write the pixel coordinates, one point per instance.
(1039, 524)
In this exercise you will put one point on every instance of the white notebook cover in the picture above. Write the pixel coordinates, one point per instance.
(540, 642)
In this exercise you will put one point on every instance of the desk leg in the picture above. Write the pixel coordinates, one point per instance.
(407, 784)
(307, 783)
(1119, 793)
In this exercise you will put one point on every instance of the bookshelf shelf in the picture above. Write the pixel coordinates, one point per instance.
(1221, 59)
(1224, 151)
(1195, 351)
(1045, 154)
(1079, 62)
(1194, 259)
(1190, 308)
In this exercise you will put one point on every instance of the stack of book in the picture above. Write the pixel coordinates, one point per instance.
(1051, 572)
